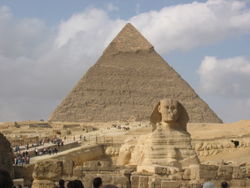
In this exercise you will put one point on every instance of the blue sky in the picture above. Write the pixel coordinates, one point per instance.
(46, 46)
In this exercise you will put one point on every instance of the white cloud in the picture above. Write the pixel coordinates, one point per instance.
(225, 83)
(225, 77)
(39, 65)
(180, 27)
(112, 8)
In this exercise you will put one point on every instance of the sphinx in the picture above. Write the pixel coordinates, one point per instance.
(169, 143)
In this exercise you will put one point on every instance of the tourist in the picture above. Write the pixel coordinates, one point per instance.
(97, 182)
(50, 151)
(75, 184)
(78, 184)
(36, 151)
(61, 183)
(224, 184)
(5, 179)
(70, 184)
(208, 185)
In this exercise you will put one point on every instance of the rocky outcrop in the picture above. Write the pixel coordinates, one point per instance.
(6, 155)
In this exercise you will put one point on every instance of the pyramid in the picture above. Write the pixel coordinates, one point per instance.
(126, 83)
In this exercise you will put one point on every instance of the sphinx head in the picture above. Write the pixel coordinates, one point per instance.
(169, 110)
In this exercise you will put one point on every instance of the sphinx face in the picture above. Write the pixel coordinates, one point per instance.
(169, 110)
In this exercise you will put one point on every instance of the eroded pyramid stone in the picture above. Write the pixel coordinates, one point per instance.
(126, 82)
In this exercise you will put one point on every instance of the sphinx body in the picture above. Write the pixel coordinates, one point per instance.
(169, 143)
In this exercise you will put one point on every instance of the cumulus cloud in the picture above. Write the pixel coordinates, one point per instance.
(226, 77)
(228, 81)
(39, 64)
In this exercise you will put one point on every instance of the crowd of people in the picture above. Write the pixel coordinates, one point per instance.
(96, 183)
(57, 141)
(22, 158)
(45, 151)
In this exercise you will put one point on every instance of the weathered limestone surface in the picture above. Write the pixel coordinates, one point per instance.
(47, 173)
(125, 83)
(48, 170)
(6, 155)
(24, 172)
(43, 184)
(168, 145)
(127, 177)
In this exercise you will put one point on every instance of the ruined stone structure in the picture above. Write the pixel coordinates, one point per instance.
(125, 83)
(6, 155)
(126, 177)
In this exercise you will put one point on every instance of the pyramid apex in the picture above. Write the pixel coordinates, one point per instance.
(129, 25)
(129, 39)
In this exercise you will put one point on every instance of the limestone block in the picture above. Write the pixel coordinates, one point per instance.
(48, 170)
(134, 181)
(248, 171)
(154, 182)
(239, 172)
(186, 174)
(207, 172)
(94, 165)
(143, 182)
(43, 184)
(191, 160)
(225, 172)
(195, 185)
(128, 170)
(68, 167)
(6, 155)
(248, 182)
(149, 169)
(169, 184)
(162, 171)
(121, 181)
(238, 183)
(78, 171)
(177, 176)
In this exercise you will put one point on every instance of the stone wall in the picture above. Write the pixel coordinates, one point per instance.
(211, 147)
(46, 174)
(24, 172)
(82, 154)
(6, 155)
